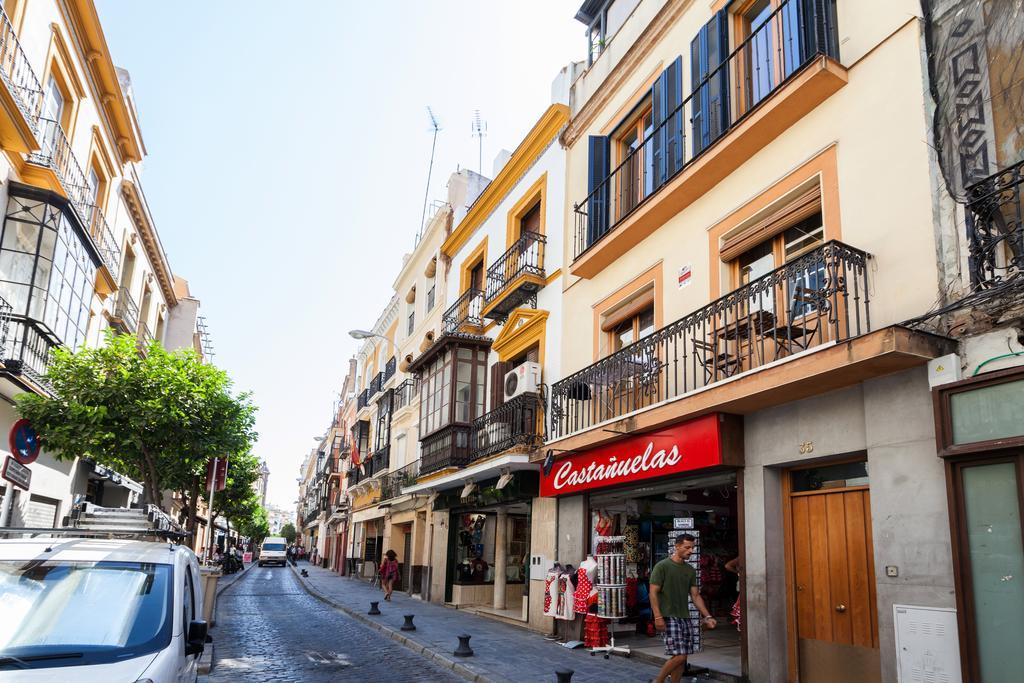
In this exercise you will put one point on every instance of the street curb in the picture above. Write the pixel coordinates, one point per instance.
(441, 660)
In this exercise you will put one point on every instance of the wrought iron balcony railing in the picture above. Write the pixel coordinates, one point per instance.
(508, 281)
(378, 462)
(5, 322)
(519, 423)
(126, 311)
(405, 393)
(389, 369)
(55, 153)
(362, 399)
(375, 385)
(144, 337)
(819, 297)
(464, 313)
(447, 447)
(392, 482)
(995, 227)
(793, 35)
(27, 350)
(17, 73)
(103, 236)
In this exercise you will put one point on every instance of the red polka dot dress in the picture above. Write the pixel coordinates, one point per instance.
(583, 588)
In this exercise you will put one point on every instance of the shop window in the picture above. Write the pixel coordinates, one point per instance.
(473, 554)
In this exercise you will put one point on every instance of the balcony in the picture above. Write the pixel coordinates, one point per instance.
(389, 369)
(517, 424)
(144, 338)
(515, 277)
(995, 228)
(103, 236)
(404, 394)
(126, 312)
(23, 95)
(55, 154)
(447, 447)
(375, 385)
(362, 399)
(463, 317)
(379, 462)
(391, 484)
(816, 299)
(780, 73)
(27, 350)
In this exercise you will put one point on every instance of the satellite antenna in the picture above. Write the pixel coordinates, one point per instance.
(479, 131)
(435, 127)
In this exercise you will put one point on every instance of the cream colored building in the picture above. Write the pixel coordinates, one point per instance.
(748, 223)
(81, 250)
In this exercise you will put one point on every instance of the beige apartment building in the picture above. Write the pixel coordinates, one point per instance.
(81, 254)
(749, 222)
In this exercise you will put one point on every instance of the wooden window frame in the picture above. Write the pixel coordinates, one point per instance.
(476, 257)
(534, 195)
(942, 401)
(632, 123)
(60, 64)
(650, 279)
(634, 319)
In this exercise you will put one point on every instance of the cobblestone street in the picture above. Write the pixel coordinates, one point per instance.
(270, 629)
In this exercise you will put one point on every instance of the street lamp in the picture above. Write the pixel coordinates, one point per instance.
(363, 334)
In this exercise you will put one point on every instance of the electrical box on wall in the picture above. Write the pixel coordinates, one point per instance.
(539, 566)
(927, 644)
(943, 370)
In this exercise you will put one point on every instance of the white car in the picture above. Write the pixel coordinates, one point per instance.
(274, 551)
(98, 609)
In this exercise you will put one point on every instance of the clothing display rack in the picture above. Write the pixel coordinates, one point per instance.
(611, 589)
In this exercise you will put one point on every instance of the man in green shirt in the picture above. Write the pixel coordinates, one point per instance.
(673, 585)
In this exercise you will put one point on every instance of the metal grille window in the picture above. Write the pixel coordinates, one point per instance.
(46, 272)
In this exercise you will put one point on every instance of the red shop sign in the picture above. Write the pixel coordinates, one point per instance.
(672, 450)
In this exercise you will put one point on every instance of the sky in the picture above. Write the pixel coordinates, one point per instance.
(287, 163)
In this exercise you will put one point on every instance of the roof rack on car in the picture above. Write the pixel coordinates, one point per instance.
(92, 521)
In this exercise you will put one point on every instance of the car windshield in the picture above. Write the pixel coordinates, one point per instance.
(65, 613)
(273, 546)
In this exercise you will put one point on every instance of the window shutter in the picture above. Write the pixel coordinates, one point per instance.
(815, 22)
(597, 188)
(710, 102)
(666, 98)
(498, 371)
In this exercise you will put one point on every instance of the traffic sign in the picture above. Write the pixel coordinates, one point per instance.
(16, 473)
(24, 442)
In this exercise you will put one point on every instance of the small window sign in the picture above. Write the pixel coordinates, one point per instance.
(685, 275)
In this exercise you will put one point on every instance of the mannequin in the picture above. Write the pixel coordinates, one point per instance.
(585, 590)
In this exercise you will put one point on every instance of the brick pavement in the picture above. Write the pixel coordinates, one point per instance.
(503, 653)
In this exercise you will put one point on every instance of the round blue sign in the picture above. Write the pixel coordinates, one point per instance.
(24, 442)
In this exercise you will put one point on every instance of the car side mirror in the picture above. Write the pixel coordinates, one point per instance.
(195, 641)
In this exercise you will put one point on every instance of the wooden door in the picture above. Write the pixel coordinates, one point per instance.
(833, 584)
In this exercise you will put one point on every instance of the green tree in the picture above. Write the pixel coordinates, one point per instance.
(158, 417)
(256, 526)
(288, 532)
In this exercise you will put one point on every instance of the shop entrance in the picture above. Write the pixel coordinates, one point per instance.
(833, 576)
(649, 517)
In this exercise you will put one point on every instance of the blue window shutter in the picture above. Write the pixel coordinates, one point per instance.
(666, 98)
(597, 188)
(710, 47)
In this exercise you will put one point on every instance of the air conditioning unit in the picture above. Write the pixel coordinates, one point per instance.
(523, 379)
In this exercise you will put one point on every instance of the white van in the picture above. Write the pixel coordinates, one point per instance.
(274, 551)
(99, 609)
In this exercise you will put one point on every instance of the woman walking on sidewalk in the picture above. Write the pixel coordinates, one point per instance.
(388, 573)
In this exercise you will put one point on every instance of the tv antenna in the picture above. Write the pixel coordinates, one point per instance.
(435, 128)
(479, 131)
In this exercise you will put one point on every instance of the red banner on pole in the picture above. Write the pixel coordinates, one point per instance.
(222, 474)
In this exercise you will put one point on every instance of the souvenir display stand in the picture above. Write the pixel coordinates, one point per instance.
(611, 589)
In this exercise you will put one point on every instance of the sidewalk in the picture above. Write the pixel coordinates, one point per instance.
(502, 653)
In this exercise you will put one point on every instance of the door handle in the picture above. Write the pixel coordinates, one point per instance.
(840, 608)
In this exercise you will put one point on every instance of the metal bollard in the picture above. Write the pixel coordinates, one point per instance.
(564, 675)
(463, 650)
(374, 610)
(408, 625)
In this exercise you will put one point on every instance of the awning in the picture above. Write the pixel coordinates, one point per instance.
(367, 514)
(511, 462)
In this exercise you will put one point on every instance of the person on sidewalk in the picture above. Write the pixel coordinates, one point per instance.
(673, 586)
(388, 573)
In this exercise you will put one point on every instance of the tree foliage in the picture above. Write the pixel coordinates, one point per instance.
(288, 532)
(256, 527)
(158, 417)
